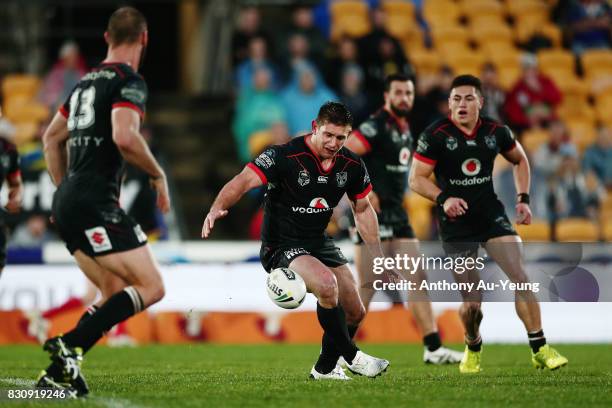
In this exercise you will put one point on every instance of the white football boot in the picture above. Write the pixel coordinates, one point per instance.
(441, 356)
(364, 364)
(336, 374)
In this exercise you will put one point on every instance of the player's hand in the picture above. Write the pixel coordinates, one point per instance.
(160, 185)
(14, 201)
(375, 201)
(454, 207)
(523, 214)
(209, 221)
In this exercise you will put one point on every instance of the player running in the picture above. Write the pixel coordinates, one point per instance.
(99, 123)
(460, 151)
(385, 143)
(306, 179)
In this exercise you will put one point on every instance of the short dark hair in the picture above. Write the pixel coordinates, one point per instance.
(467, 80)
(125, 26)
(335, 113)
(398, 76)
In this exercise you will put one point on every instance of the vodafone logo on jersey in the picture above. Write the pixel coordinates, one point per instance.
(471, 167)
(317, 205)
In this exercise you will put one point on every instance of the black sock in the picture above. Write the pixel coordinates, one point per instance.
(330, 353)
(333, 322)
(88, 313)
(119, 307)
(475, 344)
(536, 340)
(55, 371)
(432, 341)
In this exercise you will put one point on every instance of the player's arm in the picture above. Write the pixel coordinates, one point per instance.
(366, 220)
(420, 182)
(54, 142)
(229, 195)
(522, 181)
(15, 191)
(135, 150)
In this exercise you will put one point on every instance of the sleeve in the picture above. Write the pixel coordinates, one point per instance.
(359, 184)
(64, 109)
(367, 133)
(132, 93)
(14, 169)
(428, 149)
(268, 164)
(506, 139)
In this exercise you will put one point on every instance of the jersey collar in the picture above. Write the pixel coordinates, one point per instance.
(471, 135)
(403, 127)
(317, 159)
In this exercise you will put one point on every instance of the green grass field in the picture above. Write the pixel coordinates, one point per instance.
(276, 376)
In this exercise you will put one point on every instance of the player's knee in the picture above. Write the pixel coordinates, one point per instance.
(355, 315)
(159, 291)
(328, 290)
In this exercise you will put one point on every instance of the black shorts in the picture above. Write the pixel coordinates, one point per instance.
(96, 228)
(392, 223)
(466, 234)
(280, 256)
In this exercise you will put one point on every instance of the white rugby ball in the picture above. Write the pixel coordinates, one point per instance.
(286, 288)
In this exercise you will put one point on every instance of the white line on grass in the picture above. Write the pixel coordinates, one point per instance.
(109, 402)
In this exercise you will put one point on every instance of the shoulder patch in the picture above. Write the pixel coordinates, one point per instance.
(368, 129)
(132, 92)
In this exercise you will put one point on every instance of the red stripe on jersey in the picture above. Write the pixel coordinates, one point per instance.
(258, 171)
(63, 111)
(425, 159)
(363, 194)
(130, 106)
(12, 176)
(363, 140)
(511, 147)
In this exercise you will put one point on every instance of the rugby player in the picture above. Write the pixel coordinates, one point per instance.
(385, 143)
(306, 178)
(9, 171)
(460, 150)
(99, 125)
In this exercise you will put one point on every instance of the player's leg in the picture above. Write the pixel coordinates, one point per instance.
(506, 251)
(363, 265)
(420, 306)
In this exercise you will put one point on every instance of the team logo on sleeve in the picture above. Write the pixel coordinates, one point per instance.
(134, 94)
(303, 178)
(491, 142)
(451, 143)
(422, 146)
(265, 160)
(341, 178)
(471, 167)
(367, 129)
(98, 239)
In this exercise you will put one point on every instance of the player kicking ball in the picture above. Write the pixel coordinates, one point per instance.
(460, 151)
(306, 179)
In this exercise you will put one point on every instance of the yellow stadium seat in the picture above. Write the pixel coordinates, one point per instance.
(465, 63)
(537, 231)
(20, 84)
(577, 230)
(519, 8)
(452, 33)
(343, 8)
(24, 109)
(483, 7)
(595, 60)
(25, 132)
(603, 108)
(480, 20)
(576, 111)
(608, 231)
(401, 27)
(552, 32)
(508, 75)
(582, 132)
(351, 26)
(572, 87)
(399, 8)
(532, 139)
(425, 61)
(440, 14)
(504, 56)
(481, 34)
(556, 60)
(449, 48)
(413, 43)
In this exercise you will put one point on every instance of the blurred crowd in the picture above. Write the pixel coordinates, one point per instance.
(283, 75)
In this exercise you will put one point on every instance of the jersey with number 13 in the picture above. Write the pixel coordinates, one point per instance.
(93, 154)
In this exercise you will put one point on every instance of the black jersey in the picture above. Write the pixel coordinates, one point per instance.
(301, 194)
(93, 154)
(464, 162)
(9, 161)
(389, 145)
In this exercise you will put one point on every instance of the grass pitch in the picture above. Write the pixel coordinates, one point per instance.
(277, 376)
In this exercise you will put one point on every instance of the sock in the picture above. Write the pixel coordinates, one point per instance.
(117, 308)
(333, 322)
(330, 353)
(474, 344)
(88, 313)
(72, 303)
(536, 340)
(432, 341)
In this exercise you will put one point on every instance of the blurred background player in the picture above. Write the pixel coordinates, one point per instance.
(460, 150)
(100, 125)
(306, 179)
(385, 143)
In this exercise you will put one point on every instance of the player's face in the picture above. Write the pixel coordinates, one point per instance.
(328, 139)
(464, 103)
(400, 97)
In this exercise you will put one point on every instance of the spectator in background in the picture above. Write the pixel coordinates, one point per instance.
(64, 75)
(346, 55)
(494, 95)
(598, 157)
(258, 107)
(590, 25)
(299, 54)
(32, 233)
(258, 58)
(302, 23)
(381, 55)
(248, 28)
(431, 102)
(352, 94)
(532, 100)
(548, 157)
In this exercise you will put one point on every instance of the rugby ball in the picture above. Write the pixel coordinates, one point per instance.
(286, 288)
